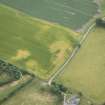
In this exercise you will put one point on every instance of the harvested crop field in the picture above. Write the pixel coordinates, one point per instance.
(86, 73)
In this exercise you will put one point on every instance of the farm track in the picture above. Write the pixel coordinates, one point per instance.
(75, 51)
(71, 56)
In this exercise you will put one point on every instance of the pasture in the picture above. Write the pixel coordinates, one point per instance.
(33, 94)
(69, 13)
(86, 72)
(32, 44)
(7, 89)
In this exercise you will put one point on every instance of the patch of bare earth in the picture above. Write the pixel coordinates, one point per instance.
(60, 47)
(21, 54)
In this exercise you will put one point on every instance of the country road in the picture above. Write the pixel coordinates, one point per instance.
(71, 56)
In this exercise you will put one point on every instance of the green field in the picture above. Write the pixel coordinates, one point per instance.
(103, 7)
(86, 72)
(69, 13)
(32, 44)
(36, 36)
(34, 95)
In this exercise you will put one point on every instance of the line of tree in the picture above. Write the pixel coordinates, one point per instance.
(58, 88)
(12, 71)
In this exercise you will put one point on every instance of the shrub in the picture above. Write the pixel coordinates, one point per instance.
(58, 88)
(100, 22)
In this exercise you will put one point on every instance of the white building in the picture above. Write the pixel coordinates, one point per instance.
(73, 100)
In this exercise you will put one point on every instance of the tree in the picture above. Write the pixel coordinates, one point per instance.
(58, 88)
(103, 103)
(100, 22)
